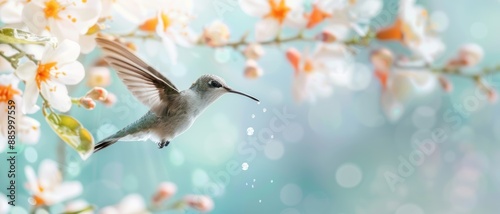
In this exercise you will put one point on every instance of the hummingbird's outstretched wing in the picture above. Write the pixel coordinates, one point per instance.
(145, 83)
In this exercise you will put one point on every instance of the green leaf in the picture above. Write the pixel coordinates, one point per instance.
(73, 133)
(16, 36)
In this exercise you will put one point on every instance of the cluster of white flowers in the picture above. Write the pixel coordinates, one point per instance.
(75, 24)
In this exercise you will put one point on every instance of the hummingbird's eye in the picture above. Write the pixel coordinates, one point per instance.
(214, 84)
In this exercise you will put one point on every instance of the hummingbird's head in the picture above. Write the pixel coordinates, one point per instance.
(211, 87)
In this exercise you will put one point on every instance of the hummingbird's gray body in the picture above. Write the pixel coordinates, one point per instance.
(171, 111)
(176, 119)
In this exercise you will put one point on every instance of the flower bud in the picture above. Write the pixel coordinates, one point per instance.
(99, 77)
(97, 93)
(382, 59)
(492, 95)
(468, 56)
(471, 54)
(216, 34)
(164, 192)
(294, 57)
(327, 37)
(253, 51)
(445, 84)
(252, 69)
(201, 203)
(110, 100)
(87, 103)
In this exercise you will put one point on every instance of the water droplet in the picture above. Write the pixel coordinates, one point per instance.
(246, 183)
(254, 180)
(264, 110)
(272, 136)
(253, 115)
(244, 166)
(260, 201)
(258, 103)
(250, 131)
(272, 181)
(252, 185)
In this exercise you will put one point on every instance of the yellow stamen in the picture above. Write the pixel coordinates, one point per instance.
(150, 24)
(52, 9)
(308, 66)
(7, 93)
(43, 72)
(278, 10)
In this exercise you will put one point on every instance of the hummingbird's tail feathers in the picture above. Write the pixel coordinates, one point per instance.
(105, 143)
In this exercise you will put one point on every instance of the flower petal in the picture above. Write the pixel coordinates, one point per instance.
(11, 12)
(32, 185)
(266, 29)
(64, 29)
(34, 18)
(170, 48)
(257, 8)
(30, 97)
(49, 175)
(132, 203)
(67, 190)
(70, 73)
(29, 130)
(366, 9)
(87, 43)
(27, 71)
(408, 84)
(66, 51)
(84, 14)
(57, 95)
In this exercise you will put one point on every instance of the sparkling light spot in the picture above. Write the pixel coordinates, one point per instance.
(348, 175)
(291, 194)
(244, 166)
(250, 131)
(253, 116)
(264, 110)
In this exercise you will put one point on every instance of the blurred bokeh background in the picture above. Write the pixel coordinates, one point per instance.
(339, 155)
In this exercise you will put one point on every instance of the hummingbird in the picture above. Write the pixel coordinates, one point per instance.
(171, 112)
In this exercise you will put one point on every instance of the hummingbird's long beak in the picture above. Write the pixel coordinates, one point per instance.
(240, 93)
